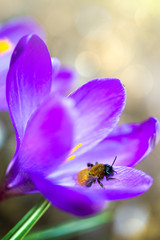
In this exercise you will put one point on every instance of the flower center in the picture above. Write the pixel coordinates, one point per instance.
(5, 46)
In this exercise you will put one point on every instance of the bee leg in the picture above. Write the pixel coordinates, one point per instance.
(98, 180)
(89, 183)
(109, 178)
(90, 165)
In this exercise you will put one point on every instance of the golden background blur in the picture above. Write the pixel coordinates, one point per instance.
(114, 39)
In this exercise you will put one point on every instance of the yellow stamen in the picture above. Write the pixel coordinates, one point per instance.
(70, 158)
(5, 45)
(72, 151)
(75, 148)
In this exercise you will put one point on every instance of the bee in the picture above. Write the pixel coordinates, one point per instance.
(96, 173)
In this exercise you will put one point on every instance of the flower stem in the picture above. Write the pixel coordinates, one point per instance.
(20, 230)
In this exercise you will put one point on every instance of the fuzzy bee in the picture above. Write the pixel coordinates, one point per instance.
(96, 173)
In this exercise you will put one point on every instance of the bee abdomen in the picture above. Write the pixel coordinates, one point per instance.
(82, 177)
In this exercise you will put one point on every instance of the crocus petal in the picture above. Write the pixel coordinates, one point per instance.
(68, 199)
(100, 103)
(56, 64)
(48, 137)
(18, 180)
(129, 142)
(11, 32)
(3, 75)
(127, 183)
(3, 102)
(28, 81)
(63, 77)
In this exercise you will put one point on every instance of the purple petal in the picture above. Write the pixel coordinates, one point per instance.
(128, 183)
(48, 137)
(12, 31)
(3, 102)
(63, 77)
(100, 104)
(28, 81)
(17, 180)
(47, 141)
(131, 143)
(68, 199)
(3, 75)
(56, 64)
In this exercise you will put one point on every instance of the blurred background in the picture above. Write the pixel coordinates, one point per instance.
(99, 38)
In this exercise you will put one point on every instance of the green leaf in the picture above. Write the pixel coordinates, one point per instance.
(73, 227)
(20, 230)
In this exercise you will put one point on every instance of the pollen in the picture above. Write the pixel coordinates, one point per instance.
(5, 46)
(82, 177)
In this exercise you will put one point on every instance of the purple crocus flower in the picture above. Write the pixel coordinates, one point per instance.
(57, 137)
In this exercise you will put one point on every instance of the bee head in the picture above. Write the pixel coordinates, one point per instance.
(109, 171)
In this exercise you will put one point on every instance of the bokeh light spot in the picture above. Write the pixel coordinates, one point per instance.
(87, 64)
